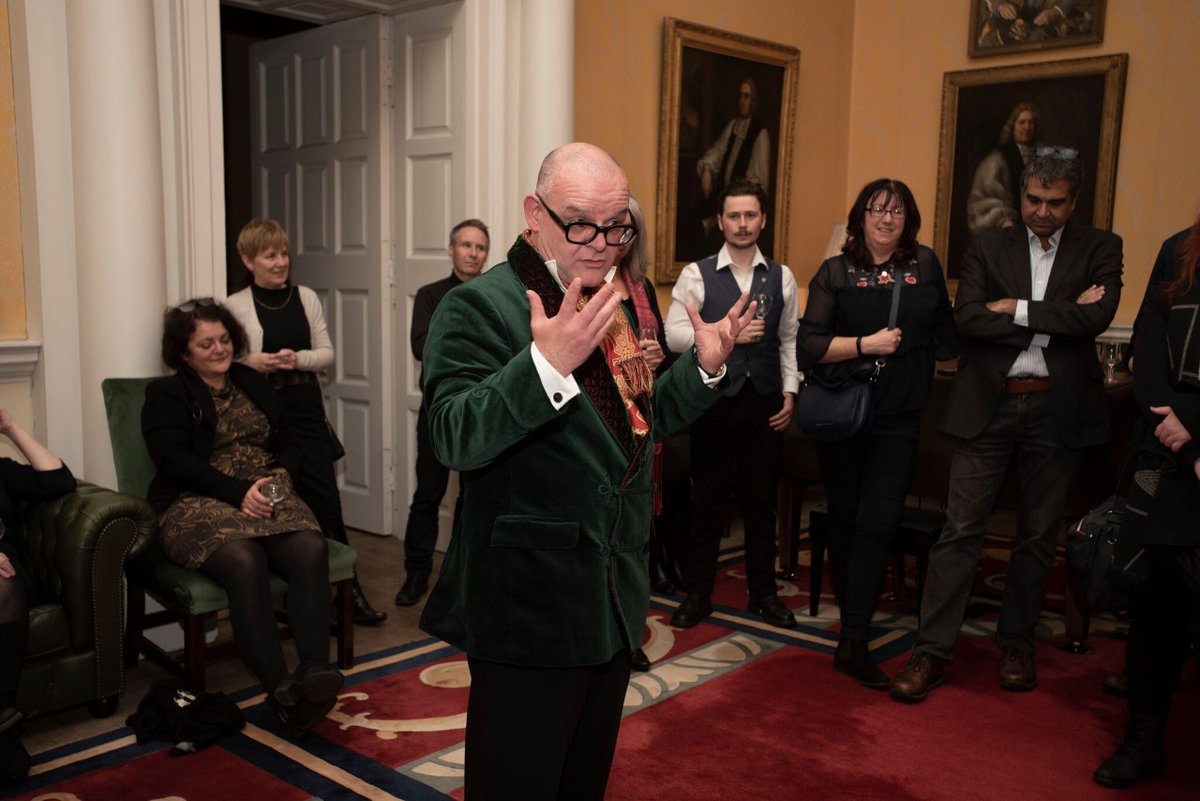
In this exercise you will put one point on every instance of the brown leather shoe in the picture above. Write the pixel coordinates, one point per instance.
(1017, 673)
(922, 673)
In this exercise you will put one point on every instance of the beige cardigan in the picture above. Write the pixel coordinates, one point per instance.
(316, 360)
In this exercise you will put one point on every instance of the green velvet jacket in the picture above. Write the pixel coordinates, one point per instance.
(548, 564)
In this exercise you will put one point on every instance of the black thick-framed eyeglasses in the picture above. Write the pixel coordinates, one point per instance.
(582, 233)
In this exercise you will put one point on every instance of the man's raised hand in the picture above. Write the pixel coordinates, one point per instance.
(568, 338)
(715, 341)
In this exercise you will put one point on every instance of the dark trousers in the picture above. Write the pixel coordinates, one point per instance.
(317, 483)
(866, 482)
(733, 448)
(14, 627)
(1046, 468)
(421, 531)
(542, 734)
(1165, 623)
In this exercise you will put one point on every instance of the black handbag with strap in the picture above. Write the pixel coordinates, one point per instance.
(836, 403)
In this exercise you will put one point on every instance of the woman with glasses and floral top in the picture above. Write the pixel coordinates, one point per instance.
(219, 437)
(846, 324)
(290, 345)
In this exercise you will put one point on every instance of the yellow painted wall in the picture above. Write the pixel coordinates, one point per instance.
(12, 271)
(618, 89)
(901, 50)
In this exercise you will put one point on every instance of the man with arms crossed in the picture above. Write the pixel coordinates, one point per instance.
(540, 396)
(1031, 300)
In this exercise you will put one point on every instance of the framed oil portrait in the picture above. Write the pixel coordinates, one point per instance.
(999, 27)
(729, 106)
(994, 120)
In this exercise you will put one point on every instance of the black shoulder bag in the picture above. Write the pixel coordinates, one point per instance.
(835, 403)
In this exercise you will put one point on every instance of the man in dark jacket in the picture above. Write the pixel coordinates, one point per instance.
(468, 251)
(540, 396)
(1031, 301)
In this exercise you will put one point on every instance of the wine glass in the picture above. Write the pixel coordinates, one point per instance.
(764, 305)
(648, 333)
(273, 492)
(1112, 357)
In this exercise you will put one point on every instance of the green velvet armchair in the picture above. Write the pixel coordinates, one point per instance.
(75, 548)
(188, 597)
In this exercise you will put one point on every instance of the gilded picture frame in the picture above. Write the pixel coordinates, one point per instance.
(1076, 104)
(1001, 27)
(706, 75)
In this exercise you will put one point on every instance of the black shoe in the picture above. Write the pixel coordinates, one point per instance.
(1116, 684)
(298, 719)
(313, 682)
(1140, 755)
(639, 661)
(693, 609)
(659, 581)
(414, 589)
(14, 759)
(9, 717)
(853, 657)
(772, 611)
(364, 613)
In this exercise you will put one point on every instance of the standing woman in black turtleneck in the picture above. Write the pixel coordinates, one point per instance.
(290, 345)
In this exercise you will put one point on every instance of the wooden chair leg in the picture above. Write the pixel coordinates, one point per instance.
(783, 527)
(1078, 616)
(899, 587)
(135, 622)
(816, 539)
(193, 651)
(345, 627)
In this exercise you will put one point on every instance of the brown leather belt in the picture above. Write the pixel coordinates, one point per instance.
(1026, 386)
(292, 378)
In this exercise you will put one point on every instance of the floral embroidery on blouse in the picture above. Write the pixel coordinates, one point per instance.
(883, 275)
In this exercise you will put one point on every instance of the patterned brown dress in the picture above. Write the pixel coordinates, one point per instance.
(195, 526)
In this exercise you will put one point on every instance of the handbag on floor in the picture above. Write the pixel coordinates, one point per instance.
(1104, 547)
(835, 403)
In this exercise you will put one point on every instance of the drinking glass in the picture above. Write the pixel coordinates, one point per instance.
(273, 492)
(764, 305)
(647, 333)
(1112, 357)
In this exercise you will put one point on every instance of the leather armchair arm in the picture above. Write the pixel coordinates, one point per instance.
(76, 547)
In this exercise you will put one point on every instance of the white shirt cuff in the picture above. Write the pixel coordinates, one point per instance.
(559, 389)
(1021, 318)
(711, 381)
(1040, 340)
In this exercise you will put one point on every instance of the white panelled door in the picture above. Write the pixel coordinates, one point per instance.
(322, 157)
(430, 185)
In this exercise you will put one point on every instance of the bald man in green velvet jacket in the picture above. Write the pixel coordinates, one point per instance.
(539, 395)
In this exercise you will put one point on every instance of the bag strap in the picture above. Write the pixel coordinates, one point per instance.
(892, 315)
(895, 302)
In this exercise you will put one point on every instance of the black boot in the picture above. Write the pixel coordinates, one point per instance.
(14, 759)
(415, 586)
(1140, 755)
(660, 579)
(853, 657)
(364, 613)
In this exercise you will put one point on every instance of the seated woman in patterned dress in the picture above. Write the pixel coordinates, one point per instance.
(218, 436)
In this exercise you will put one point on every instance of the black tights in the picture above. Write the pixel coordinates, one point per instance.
(14, 635)
(243, 568)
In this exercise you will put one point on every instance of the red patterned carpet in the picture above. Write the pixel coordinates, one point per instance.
(733, 709)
